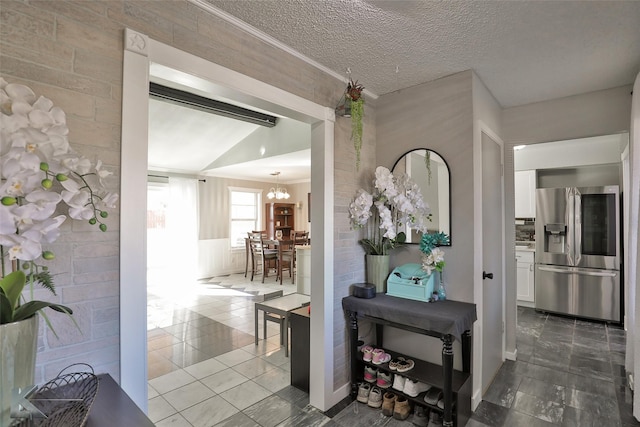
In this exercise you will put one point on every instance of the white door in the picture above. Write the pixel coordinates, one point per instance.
(492, 259)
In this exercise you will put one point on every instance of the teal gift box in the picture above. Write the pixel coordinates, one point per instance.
(412, 282)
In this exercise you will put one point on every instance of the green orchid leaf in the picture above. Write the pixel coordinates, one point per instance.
(6, 310)
(12, 285)
(30, 308)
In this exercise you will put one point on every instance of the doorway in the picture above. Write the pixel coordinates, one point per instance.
(140, 53)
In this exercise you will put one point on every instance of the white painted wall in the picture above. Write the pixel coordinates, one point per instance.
(596, 150)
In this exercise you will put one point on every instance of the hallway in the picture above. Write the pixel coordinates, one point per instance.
(205, 370)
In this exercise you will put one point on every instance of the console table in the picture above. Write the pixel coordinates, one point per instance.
(281, 306)
(447, 320)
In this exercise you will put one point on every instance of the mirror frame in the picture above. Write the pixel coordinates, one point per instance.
(401, 158)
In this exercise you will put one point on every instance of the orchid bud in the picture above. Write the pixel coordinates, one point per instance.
(8, 200)
(44, 166)
(61, 177)
(92, 221)
(48, 255)
(104, 214)
(103, 227)
(46, 183)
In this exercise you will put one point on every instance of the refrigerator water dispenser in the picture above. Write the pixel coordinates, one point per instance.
(554, 238)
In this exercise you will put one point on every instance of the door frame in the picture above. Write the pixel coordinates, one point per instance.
(140, 52)
(479, 127)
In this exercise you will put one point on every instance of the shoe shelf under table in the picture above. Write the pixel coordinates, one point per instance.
(447, 320)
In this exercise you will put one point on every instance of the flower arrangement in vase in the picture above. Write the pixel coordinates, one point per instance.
(433, 257)
(40, 176)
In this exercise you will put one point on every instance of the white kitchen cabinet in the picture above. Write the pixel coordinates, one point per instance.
(525, 277)
(525, 189)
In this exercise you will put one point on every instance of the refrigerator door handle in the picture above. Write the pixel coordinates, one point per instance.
(602, 273)
(569, 215)
(577, 228)
(556, 270)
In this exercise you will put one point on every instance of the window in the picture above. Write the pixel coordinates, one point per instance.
(245, 214)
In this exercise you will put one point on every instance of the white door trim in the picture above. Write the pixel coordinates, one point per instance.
(139, 54)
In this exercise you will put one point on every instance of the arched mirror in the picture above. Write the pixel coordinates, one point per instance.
(430, 171)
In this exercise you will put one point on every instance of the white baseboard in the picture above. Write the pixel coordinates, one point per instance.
(475, 400)
(511, 355)
(529, 304)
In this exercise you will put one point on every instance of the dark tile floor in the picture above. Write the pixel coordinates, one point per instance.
(204, 370)
(569, 373)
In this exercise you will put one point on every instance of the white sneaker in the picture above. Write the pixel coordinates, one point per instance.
(398, 382)
(363, 392)
(375, 398)
(413, 388)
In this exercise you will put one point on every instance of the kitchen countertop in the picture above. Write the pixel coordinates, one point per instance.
(526, 246)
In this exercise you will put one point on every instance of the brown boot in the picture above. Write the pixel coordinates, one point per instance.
(401, 409)
(388, 404)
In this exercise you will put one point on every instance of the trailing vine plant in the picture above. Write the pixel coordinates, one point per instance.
(354, 94)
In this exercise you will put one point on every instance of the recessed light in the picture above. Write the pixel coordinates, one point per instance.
(519, 147)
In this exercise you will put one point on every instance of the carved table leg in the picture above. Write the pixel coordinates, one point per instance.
(353, 340)
(447, 371)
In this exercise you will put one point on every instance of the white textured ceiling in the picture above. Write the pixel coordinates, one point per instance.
(523, 51)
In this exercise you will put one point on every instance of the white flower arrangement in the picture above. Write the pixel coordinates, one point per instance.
(398, 202)
(38, 171)
(432, 255)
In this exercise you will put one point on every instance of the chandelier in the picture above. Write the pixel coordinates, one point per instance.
(277, 192)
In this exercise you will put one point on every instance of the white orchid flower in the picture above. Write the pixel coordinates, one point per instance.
(21, 248)
(79, 204)
(48, 230)
(44, 203)
(34, 131)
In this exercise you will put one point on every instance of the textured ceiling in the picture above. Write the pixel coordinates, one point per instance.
(524, 51)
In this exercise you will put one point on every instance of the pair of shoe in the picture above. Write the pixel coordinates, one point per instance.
(433, 397)
(408, 386)
(377, 356)
(372, 396)
(435, 419)
(420, 416)
(401, 364)
(373, 375)
(396, 406)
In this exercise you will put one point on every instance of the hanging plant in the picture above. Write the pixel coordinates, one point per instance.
(427, 162)
(354, 95)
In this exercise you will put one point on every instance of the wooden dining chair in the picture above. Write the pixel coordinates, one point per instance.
(261, 255)
(299, 238)
(286, 256)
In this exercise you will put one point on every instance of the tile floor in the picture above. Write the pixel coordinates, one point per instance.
(204, 369)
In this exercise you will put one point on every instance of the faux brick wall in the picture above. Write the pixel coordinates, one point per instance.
(72, 52)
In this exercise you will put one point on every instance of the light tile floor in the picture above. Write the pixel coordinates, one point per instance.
(205, 370)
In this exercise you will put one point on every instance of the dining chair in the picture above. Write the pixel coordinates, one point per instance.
(286, 256)
(261, 255)
(299, 238)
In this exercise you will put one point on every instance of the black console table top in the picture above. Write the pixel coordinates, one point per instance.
(441, 318)
(113, 407)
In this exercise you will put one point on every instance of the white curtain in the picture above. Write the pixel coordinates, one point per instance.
(632, 362)
(182, 229)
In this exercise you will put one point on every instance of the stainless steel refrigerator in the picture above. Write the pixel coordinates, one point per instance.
(578, 252)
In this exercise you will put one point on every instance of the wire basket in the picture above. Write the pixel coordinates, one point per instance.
(65, 400)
